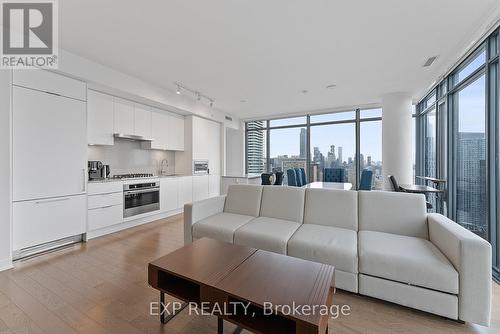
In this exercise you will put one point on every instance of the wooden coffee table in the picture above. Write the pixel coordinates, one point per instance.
(247, 282)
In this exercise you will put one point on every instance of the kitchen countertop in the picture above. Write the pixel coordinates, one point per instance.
(134, 179)
(242, 176)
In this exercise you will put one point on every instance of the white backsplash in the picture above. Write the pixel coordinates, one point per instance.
(127, 156)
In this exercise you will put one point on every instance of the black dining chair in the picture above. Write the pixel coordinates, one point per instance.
(394, 183)
(266, 179)
(278, 181)
(397, 188)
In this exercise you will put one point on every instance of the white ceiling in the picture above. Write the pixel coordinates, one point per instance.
(267, 52)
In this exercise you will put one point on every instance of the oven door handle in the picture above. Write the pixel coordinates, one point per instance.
(149, 190)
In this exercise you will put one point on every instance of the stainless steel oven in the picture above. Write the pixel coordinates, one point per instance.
(200, 167)
(140, 198)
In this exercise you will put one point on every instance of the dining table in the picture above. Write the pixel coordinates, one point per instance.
(420, 189)
(329, 185)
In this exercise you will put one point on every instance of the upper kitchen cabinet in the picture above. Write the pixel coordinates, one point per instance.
(159, 129)
(167, 132)
(50, 82)
(175, 133)
(100, 119)
(142, 120)
(123, 116)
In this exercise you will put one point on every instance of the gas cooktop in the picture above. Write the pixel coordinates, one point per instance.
(132, 176)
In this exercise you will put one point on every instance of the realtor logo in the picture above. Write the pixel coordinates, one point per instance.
(29, 34)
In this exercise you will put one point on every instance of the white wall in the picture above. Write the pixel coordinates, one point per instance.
(397, 145)
(127, 156)
(5, 171)
(235, 151)
(110, 81)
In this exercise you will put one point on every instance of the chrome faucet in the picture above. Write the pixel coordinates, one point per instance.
(164, 164)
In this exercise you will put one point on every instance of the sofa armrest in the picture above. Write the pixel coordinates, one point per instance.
(471, 257)
(194, 212)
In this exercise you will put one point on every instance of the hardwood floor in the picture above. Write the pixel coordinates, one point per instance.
(101, 287)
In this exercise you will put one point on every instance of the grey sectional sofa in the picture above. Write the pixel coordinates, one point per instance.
(382, 244)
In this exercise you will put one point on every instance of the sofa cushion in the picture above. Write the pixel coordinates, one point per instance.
(265, 233)
(243, 199)
(405, 259)
(326, 244)
(393, 212)
(330, 207)
(283, 203)
(220, 226)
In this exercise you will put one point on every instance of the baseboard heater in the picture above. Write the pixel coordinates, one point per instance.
(46, 247)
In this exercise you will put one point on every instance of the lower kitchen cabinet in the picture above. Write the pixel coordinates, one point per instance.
(185, 190)
(169, 194)
(40, 221)
(213, 185)
(105, 205)
(200, 187)
(105, 216)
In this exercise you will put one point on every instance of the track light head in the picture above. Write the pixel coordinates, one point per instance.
(211, 103)
(178, 91)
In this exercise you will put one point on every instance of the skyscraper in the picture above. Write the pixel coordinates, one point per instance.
(255, 148)
(303, 142)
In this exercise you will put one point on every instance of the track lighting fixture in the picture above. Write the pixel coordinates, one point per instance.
(197, 95)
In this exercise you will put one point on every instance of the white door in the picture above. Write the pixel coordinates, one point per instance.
(41, 221)
(49, 145)
(169, 193)
(142, 120)
(124, 116)
(200, 187)
(185, 190)
(100, 118)
(213, 185)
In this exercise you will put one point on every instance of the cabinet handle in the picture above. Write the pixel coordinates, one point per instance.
(84, 180)
(52, 200)
(105, 207)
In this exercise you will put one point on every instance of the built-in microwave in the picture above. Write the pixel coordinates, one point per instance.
(200, 167)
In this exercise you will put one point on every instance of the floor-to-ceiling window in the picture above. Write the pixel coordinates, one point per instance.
(350, 140)
(333, 145)
(469, 108)
(459, 142)
(370, 144)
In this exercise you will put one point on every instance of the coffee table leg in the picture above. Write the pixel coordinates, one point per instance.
(220, 325)
(162, 308)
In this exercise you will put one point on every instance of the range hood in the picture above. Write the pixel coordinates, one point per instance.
(131, 137)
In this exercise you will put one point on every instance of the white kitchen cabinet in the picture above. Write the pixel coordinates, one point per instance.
(49, 145)
(100, 118)
(175, 133)
(105, 205)
(46, 81)
(105, 216)
(142, 120)
(159, 131)
(206, 142)
(169, 193)
(200, 187)
(123, 116)
(185, 190)
(213, 185)
(41, 221)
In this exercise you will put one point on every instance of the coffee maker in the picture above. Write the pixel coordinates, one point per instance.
(95, 170)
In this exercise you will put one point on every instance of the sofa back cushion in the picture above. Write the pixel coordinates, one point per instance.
(330, 207)
(393, 212)
(243, 199)
(283, 203)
